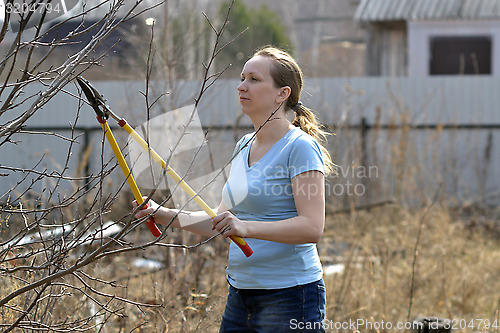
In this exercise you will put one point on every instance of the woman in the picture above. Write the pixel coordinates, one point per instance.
(274, 198)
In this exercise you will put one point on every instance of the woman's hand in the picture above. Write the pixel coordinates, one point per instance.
(160, 214)
(229, 225)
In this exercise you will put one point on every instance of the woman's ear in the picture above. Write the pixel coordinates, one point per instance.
(283, 94)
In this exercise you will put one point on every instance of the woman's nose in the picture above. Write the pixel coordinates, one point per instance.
(242, 86)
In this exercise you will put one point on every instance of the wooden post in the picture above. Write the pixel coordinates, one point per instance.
(364, 128)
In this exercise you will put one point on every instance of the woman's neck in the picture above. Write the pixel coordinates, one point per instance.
(273, 129)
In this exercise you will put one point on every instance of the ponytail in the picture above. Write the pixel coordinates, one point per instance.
(307, 122)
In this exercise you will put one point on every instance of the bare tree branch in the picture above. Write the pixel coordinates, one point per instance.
(55, 220)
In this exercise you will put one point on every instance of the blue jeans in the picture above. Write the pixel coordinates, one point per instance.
(295, 309)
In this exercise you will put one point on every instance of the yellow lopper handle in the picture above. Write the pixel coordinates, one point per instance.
(175, 176)
(126, 171)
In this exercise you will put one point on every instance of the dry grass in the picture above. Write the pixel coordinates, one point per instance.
(456, 275)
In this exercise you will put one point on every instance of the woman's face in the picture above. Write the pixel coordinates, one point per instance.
(257, 91)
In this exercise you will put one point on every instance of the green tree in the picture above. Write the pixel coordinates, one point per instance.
(263, 26)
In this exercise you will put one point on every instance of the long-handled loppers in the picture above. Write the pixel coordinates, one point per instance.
(103, 113)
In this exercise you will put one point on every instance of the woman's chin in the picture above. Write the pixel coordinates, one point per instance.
(246, 110)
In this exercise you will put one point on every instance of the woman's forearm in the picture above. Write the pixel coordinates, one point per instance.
(297, 230)
(198, 222)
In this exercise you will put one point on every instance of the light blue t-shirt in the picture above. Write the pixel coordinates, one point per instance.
(263, 192)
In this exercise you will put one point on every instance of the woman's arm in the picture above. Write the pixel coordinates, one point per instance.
(198, 222)
(307, 227)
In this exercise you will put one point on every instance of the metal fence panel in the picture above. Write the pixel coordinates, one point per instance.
(449, 125)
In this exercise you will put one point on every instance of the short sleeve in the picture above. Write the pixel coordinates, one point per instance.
(305, 156)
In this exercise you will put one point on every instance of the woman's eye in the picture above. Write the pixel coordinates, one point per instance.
(251, 78)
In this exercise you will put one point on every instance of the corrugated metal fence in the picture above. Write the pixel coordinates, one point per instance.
(397, 138)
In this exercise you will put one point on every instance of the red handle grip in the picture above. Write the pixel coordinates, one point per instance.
(242, 245)
(150, 223)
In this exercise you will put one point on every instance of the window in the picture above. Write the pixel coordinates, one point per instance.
(452, 55)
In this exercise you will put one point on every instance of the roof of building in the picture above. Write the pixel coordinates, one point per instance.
(407, 10)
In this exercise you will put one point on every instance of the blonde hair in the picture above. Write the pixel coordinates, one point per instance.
(286, 72)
